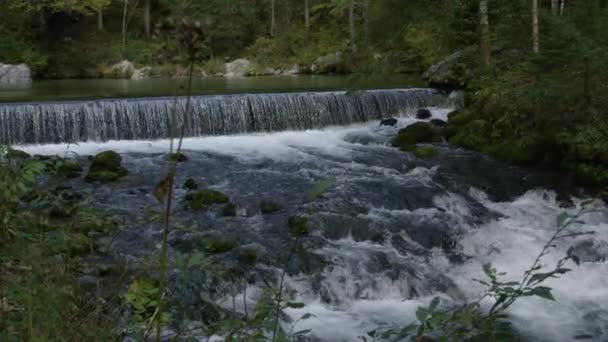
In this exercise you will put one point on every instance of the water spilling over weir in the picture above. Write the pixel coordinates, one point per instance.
(149, 118)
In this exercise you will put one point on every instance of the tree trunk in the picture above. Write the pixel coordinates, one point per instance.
(272, 18)
(307, 20)
(351, 21)
(100, 20)
(147, 18)
(366, 20)
(124, 27)
(535, 30)
(555, 7)
(484, 25)
(562, 7)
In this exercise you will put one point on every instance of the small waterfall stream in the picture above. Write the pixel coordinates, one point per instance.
(148, 118)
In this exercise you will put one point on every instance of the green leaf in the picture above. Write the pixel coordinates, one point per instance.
(320, 188)
(434, 304)
(561, 219)
(295, 305)
(543, 292)
(422, 314)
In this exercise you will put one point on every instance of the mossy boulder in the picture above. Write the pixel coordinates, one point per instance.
(229, 210)
(178, 157)
(438, 123)
(298, 226)
(420, 132)
(106, 167)
(69, 169)
(269, 207)
(425, 151)
(190, 184)
(247, 256)
(423, 113)
(217, 245)
(520, 151)
(474, 135)
(202, 199)
(17, 154)
(460, 117)
(80, 244)
(587, 174)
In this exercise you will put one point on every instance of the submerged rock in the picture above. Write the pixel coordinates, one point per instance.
(388, 122)
(17, 154)
(229, 210)
(106, 167)
(269, 207)
(178, 157)
(202, 199)
(591, 250)
(420, 132)
(438, 123)
(423, 113)
(69, 169)
(12, 74)
(425, 151)
(190, 184)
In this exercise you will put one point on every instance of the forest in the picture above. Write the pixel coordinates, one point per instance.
(95, 258)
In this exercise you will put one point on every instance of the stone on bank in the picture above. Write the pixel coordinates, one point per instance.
(15, 74)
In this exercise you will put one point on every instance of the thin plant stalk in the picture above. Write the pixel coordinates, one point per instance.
(170, 179)
(279, 298)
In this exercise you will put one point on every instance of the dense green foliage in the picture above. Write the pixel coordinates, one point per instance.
(544, 108)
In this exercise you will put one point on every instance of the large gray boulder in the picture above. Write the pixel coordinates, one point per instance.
(237, 68)
(124, 69)
(332, 63)
(12, 74)
(141, 74)
(451, 71)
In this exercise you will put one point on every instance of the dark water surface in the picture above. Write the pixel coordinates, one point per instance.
(72, 89)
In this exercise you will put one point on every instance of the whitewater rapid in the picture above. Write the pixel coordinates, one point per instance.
(415, 205)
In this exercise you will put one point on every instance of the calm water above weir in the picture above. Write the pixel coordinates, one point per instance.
(98, 88)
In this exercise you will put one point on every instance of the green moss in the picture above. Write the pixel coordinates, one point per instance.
(105, 167)
(420, 132)
(248, 256)
(217, 245)
(69, 169)
(460, 118)
(269, 207)
(17, 154)
(229, 210)
(590, 174)
(519, 151)
(426, 151)
(190, 184)
(102, 176)
(473, 135)
(202, 199)
(298, 226)
(178, 157)
(80, 244)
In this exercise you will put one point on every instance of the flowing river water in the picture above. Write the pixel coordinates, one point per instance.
(391, 231)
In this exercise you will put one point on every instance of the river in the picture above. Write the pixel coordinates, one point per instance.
(390, 232)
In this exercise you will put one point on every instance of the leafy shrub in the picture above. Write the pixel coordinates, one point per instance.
(15, 50)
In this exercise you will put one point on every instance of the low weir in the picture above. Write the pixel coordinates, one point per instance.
(149, 118)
